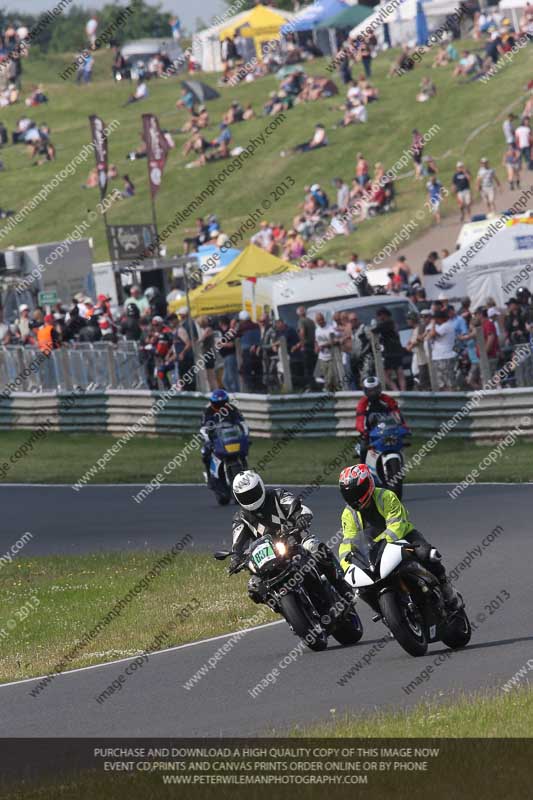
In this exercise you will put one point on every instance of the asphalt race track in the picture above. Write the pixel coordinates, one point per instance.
(153, 700)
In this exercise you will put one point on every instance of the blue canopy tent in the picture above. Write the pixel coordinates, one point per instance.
(308, 20)
(311, 16)
(422, 32)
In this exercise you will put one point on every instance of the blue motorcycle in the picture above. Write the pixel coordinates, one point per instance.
(384, 458)
(230, 444)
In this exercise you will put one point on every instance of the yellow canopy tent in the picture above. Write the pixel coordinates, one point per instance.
(223, 294)
(262, 24)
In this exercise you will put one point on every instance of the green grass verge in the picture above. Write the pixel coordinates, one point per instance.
(469, 117)
(461, 770)
(482, 715)
(74, 593)
(64, 458)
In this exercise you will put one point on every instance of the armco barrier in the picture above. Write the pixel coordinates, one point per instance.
(492, 416)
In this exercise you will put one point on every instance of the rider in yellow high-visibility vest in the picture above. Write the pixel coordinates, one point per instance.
(379, 510)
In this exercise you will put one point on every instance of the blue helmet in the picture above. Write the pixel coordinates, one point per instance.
(219, 398)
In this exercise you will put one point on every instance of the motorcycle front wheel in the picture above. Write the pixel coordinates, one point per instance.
(349, 629)
(409, 632)
(291, 608)
(457, 632)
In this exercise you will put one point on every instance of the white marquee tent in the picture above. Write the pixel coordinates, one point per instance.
(503, 262)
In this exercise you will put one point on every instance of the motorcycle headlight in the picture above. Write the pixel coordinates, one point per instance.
(281, 548)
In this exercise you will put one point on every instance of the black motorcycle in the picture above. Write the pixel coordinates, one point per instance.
(292, 585)
(405, 595)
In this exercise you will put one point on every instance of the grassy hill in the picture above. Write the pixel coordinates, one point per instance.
(469, 117)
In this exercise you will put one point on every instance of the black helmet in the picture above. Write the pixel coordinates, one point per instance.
(523, 294)
(372, 388)
(132, 310)
(356, 485)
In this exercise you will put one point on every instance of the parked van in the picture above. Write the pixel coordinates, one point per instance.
(366, 307)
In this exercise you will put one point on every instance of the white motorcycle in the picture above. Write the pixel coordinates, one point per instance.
(405, 595)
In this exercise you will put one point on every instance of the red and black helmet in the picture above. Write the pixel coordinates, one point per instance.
(357, 485)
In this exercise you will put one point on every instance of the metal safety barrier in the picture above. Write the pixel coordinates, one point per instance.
(91, 367)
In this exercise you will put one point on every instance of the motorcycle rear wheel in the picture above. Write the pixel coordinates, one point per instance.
(291, 609)
(409, 634)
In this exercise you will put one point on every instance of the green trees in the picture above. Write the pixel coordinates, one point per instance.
(66, 33)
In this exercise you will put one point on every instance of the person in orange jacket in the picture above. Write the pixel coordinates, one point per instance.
(47, 335)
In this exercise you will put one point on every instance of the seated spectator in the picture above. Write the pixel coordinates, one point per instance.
(468, 65)
(37, 96)
(9, 96)
(427, 90)
(24, 124)
(140, 152)
(249, 113)
(294, 247)
(187, 101)
(319, 139)
(196, 144)
(354, 113)
(320, 197)
(264, 237)
(129, 187)
(235, 113)
(369, 92)
(140, 93)
(221, 143)
(404, 62)
(92, 180)
(316, 88)
(4, 138)
(441, 59)
(294, 83)
(42, 146)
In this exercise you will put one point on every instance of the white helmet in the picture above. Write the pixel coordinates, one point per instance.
(249, 490)
(372, 388)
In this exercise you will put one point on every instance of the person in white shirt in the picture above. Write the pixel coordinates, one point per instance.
(508, 129)
(355, 268)
(90, 30)
(486, 182)
(264, 236)
(442, 335)
(354, 93)
(326, 339)
(343, 194)
(523, 142)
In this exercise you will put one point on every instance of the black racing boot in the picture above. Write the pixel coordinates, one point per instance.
(452, 600)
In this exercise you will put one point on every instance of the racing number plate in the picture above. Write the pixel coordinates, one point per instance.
(263, 554)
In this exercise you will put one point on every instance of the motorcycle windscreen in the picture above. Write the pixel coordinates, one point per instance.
(230, 436)
(357, 574)
(357, 578)
(391, 557)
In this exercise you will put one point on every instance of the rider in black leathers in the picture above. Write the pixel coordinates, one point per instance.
(268, 511)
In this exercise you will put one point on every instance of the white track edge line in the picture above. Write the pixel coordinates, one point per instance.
(154, 653)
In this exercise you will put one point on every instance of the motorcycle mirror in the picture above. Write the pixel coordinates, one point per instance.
(220, 555)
